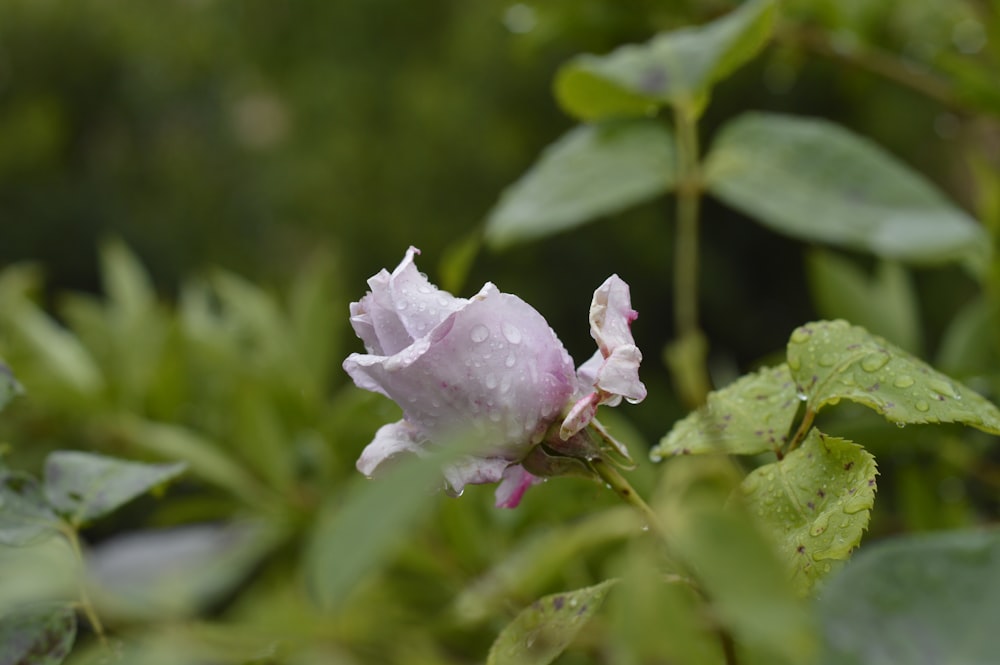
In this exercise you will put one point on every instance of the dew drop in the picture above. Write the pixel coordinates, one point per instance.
(401, 305)
(922, 406)
(827, 360)
(874, 362)
(491, 381)
(900, 425)
(511, 360)
(479, 333)
(511, 332)
(801, 336)
(424, 288)
(903, 381)
(794, 363)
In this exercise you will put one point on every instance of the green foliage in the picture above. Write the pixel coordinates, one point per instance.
(593, 170)
(675, 68)
(815, 504)
(751, 415)
(814, 180)
(542, 631)
(26, 517)
(41, 635)
(9, 387)
(83, 487)
(915, 600)
(833, 360)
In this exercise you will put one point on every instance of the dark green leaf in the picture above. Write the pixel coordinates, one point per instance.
(752, 415)
(84, 486)
(593, 170)
(816, 504)
(25, 516)
(40, 635)
(543, 631)
(675, 68)
(817, 181)
(916, 600)
(833, 360)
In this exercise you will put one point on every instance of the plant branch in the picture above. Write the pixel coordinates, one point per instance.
(70, 533)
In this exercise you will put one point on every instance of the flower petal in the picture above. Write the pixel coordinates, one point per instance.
(611, 315)
(516, 481)
(472, 470)
(420, 305)
(390, 440)
(619, 375)
(582, 413)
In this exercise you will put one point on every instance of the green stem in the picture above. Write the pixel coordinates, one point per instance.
(620, 486)
(69, 531)
(803, 430)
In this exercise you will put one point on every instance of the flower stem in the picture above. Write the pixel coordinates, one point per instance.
(686, 355)
(620, 486)
(69, 531)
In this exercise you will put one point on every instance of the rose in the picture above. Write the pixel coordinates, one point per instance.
(488, 367)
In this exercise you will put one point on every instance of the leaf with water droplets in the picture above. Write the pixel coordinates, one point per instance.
(815, 502)
(40, 635)
(25, 516)
(543, 631)
(833, 360)
(751, 415)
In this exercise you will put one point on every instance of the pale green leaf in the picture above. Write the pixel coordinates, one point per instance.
(815, 503)
(675, 68)
(884, 302)
(916, 600)
(543, 630)
(591, 171)
(127, 284)
(751, 415)
(814, 180)
(85, 486)
(538, 559)
(38, 635)
(833, 360)
(25, 516)
(9, 387)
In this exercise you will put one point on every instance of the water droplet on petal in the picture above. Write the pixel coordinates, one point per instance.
(511, 332)
(491, 381)
(511, 360)
(479, 333)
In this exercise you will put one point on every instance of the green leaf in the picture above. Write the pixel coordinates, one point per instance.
(816, 504)
(814, 180)
(174, 573)
(9, 387)
(543, 631)
(751, 415)
(85, 486)
(591, 171)
(538, 559)
(40, 635)
(884, 302)
(25, 516)
(833, 360)
(675, 68)
(916, 600)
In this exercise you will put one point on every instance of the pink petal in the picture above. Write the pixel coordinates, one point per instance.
(390, 440)
(516, 481)
(581, 414)
(474, 471)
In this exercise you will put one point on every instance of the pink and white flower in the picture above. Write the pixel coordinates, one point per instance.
(488, 367)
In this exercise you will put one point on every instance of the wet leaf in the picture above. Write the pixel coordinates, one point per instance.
(833, 360)
(751, 415)
(814, 180)
(675, 68)
(25, 515)
(916, 600)
(84, 486)
(543, 631)
(591, 171)
(40, 635)
(816, 504)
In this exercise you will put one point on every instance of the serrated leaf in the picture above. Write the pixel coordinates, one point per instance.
(85, 486)
(814, 180)
(543, 631)
(25, 516)
(9, 387)
(592, 170)
(815, 503)
(40, 635)
(884, 302)
(751, 415)
(916, 600)
(538, 559)
(833, 360)
(675, 68)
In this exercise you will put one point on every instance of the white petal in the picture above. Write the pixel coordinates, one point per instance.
(390, 440)
(474, 471)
